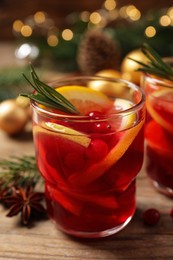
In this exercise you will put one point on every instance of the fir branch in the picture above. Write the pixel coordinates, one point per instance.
(47, 96)
(155, 65)
(18, 172)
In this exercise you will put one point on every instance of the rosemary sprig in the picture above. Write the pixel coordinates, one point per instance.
(47, 96)
(19, 172)
(155, 65)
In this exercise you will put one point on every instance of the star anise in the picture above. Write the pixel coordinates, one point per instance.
(26, 202)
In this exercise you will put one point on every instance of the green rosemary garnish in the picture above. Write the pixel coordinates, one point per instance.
(19, 171)
(47, 95)
(155, 65)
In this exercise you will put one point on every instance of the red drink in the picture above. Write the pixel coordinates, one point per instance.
(90, 162)
(159, 133)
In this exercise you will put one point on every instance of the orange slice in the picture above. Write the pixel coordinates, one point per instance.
(128, 118)
(98, 169)
(85, 99)
(64, 132)
(165, 100)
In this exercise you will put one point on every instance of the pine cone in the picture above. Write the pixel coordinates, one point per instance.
(97, 51)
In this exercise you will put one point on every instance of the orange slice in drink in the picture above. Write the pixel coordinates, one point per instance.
(159, 139)
(159, 106)
(98, 169)
(63, 132)
(85, 99)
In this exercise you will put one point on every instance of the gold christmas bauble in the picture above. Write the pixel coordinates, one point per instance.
(109, 73)
(129, 67)
(24, 102)
(13, 117)
(106, 87)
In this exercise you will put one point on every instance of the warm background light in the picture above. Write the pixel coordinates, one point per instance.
(95, 18)
(165, 20)
(110, 5)
(67, 34)
(17, 25)
(26, 30)
(170, 12)
(40, 17)
(52, 40)
(150, 31)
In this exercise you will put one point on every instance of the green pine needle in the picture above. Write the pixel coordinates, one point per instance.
(18, 171)
(47, 96)
(155, 65)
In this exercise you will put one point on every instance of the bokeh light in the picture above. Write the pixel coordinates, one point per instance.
(17, 25)
(95, 18)
(26, 30)
(150, 31)
(39, 17)
(110, 5)
(52, 40)
(67, 34)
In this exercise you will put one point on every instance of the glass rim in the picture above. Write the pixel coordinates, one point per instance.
(129, 84)
(162, 82)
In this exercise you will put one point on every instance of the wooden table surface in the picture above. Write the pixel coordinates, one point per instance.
(44, 242)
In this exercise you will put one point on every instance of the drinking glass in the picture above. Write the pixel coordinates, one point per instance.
(90, 161)
(159, 132)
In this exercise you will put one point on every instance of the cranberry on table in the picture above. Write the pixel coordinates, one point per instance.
(151, 216)
(171, 213)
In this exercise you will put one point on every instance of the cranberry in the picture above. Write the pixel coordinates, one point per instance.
(97, 150)
(102, 127)
(95, 114)
(171, 213)
(151, 216)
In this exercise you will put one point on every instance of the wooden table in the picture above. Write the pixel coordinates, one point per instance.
(44, 241)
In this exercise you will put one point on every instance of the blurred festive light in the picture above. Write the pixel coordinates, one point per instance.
(26, 30)
(27, 51)
(130, 8)
(52, 40)
(39, 17)
(150, 31)
(67, 34)
(123, 12)
(165, 20)
(110, 5)
(17, 25)
(84, 16)
(170, 12)
(133, 13)
(95, 18)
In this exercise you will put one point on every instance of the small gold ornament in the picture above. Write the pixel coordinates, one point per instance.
(13, 117)
(108, 88)
(129, 67)
(24, 102)
(109, 73)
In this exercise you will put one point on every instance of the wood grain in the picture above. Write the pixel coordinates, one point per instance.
(44, 241)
